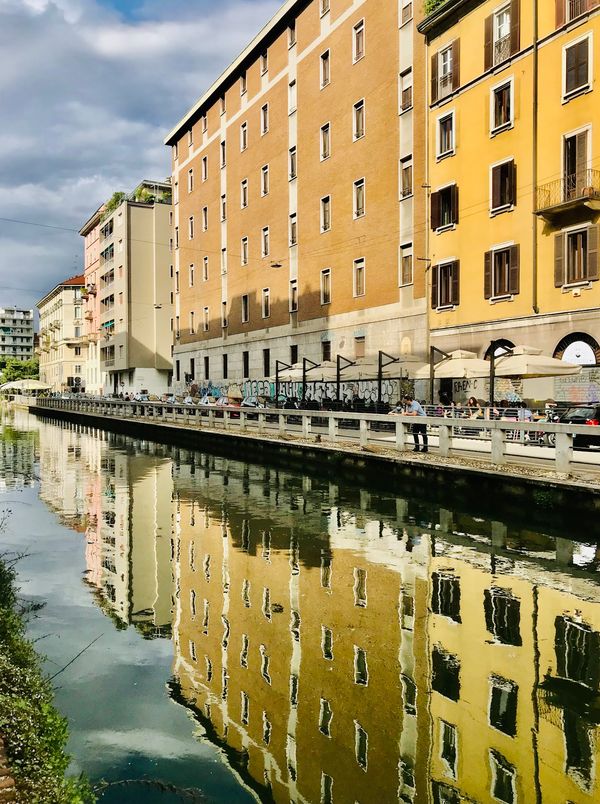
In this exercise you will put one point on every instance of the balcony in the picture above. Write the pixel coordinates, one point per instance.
(444, 85)
(574, 191)
(88, 315)
(575, 8)
(501, 50)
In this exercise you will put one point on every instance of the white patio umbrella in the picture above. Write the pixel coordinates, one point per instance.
(528, 362)
(368, 369)
(460, 365)
(25, 385)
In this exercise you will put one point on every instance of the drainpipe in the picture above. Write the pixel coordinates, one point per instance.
(534, 252)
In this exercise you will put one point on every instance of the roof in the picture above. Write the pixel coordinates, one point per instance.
(92, 221)
(251, 52)
(73, 281)
(446, 15)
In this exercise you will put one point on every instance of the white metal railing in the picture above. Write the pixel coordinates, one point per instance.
(498, 441)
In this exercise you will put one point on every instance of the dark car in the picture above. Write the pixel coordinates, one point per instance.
(584, 414)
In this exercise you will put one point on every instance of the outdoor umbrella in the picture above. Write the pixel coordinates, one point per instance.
(528, 362)
(459, 365)
(368, 369)
(25, 385)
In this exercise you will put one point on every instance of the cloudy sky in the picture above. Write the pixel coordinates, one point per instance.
(88, 90)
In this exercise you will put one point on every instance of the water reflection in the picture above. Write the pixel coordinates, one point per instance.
(338, 645)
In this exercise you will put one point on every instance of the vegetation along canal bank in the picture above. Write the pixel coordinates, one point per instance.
(33, 736)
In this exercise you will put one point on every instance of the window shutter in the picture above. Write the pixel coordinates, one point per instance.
(581, 160)
(454, 203)
(487, 275)
(435, 210)
(513, 184)
(455, 297)
(571, 69)
(434, 286)
(515, 26)
(496, 175)
(488, 42)
(592, 255)
(455, 64)
(559, 260)
(514, 270)
(560, 13)
(434, 78)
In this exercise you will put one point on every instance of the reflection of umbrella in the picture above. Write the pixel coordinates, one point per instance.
(25, 385)
(528, 362)
(459, 365)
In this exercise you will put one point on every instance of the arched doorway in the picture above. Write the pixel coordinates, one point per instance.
(580, 348)
(501, 345)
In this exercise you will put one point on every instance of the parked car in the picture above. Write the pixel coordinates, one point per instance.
(582, 414)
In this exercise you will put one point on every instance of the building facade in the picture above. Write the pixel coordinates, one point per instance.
(90, 231)
(128, 291)
(297, 230)
(16, 333)
(62, 347)
(514, 189)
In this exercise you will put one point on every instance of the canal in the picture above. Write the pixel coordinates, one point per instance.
(254, 633)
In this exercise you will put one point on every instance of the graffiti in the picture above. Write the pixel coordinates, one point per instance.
(584, 387)
(321, 392)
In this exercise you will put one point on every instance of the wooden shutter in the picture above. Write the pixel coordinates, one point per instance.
(455, 64)
(514, 270)
(435, 272)
(455, 289)
(488, 42)
(512, 195)
(581, 162)
(571, 69)
(435, 210)
(454, 203)
(592, 255)
(559, 260)
(434, 77)
(487, 275)
(515, 26)
(496, 186)
(560, 12)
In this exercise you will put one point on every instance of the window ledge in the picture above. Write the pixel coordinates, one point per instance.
(448, 228)
(585, 284)
(500, 129)
(359, 58)
(445, 155)
(324, 86)
(356, 139)
(496, 299)
(324, 231)
(501, 210)
(356, 216)
(446, 308)
(325, 158)
(406, 196)
(583, 90)
(404, 110)
(292, 178)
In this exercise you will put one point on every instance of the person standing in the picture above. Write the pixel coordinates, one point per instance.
(414, 408)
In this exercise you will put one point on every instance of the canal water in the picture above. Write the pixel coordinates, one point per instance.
(252, 633)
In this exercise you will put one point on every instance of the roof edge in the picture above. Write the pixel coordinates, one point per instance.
(443, 12)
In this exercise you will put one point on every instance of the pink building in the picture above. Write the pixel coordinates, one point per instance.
(90, 231)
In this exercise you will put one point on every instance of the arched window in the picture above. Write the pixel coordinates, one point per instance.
(578, 347)
(501, 345)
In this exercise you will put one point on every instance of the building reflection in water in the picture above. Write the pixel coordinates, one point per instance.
(341, 646)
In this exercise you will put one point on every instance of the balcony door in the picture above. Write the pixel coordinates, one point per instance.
(575, 165)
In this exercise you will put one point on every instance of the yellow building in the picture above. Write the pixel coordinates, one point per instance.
(513, 179)
(298, 229)
(63, 349)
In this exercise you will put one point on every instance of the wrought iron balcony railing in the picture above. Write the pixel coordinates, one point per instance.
(582, 186)
(501, 49)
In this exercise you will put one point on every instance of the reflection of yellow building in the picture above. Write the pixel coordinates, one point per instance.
(513, 172)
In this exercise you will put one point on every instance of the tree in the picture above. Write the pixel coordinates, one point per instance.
(20, 370)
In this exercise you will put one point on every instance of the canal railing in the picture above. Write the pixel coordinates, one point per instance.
(499, 442)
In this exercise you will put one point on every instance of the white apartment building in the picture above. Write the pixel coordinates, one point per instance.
(16, 333)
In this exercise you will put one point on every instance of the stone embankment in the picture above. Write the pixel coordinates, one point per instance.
(7, 785)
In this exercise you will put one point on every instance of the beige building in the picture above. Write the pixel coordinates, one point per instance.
(63, 349)
(129, 290)
(296, 232)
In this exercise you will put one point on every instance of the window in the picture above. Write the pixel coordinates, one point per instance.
(244, 251)
(359, 198)
(326, 213)
(327, 642)
(176, 193)
(266, 303)
(445, 677)
(358, 117)
(224, 319)
(406, 91)
(191, 276)
(407, 178)
(243, 84)
(293, 229)
(222, 105)
(324, 6)
(265, 242)
(360, 586)
(204, 219)
(264, 63)
(445, 596)
(292, 97)
(503, 778)
(504, 186)
(576, 69)
(359, 346)
(361, 669)
(501, 272)
(444, 207)
(243, 136)
(503, 705)
(223, 207)
(223, 154)
(445, 285)
(325, 717)
(246, 364)
(223, 261)
(266, 364)
(407, 11)
(264, 180)
(204, 168)
(361, 745)
(293, 354)
(244, 193)
(206, 377)
(204, 124)
(326, 286)
(576, 647)
(292, 35)
(192, 324)
(409, 695)
(502, 615)
(264, 119)
(575, 165)
(445, 138)
(293, 296)
(501, 111)
(358, 41)
(325, 69)
(190, 180)
(325, 141)
(293, 162)
(448, 748)
(205, 269)
(175, 150)
(359, 277)
(501, 26)
(406, 264)
(191, 227)
(205, 320)
(576, 256)
(177, 237)
(245, 312)
(445, 76)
